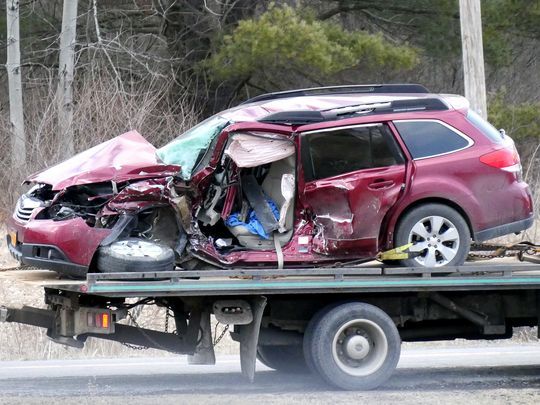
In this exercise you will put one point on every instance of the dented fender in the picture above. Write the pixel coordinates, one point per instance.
(139, 196)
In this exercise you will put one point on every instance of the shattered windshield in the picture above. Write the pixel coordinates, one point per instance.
(189, 148)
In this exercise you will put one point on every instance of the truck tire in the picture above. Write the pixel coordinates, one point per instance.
(353, 346)
(441, 236)
(135, 255)
(287, 359)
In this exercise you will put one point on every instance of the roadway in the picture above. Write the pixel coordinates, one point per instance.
(487, 374)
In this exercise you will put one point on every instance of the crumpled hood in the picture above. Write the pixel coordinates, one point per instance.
(126, 157)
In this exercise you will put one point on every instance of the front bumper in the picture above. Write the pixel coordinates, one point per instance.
(67, 247)
(45, 257)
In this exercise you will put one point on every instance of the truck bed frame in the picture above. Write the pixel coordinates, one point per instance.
(271, 308)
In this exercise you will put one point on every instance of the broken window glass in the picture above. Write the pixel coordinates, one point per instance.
(189, 148)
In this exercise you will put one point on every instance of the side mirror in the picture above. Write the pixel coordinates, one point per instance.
(502, 132)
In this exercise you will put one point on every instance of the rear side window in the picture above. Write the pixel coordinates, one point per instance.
(430, 138)
(344, 150)
(485, 127)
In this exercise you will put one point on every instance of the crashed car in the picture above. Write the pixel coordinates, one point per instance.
(304, 178)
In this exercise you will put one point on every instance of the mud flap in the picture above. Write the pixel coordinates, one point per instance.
(249, 336)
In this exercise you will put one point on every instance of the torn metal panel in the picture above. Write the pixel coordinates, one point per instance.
(140, 195)
(182, 206)
(347, 211)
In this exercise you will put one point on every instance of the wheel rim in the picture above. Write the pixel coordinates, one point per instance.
(360, 347)
(136, 248)
(436, 239)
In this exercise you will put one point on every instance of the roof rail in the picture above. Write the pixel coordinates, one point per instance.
(349, 89)
(314, 116)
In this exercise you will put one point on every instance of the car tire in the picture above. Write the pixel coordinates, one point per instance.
(440, 234)
(330, 335)
(286, 359)
(135, 255)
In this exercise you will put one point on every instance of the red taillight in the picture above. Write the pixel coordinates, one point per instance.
(105, 321)
(98, 320)
(501, 158)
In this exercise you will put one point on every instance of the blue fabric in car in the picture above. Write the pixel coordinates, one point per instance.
(253, 225)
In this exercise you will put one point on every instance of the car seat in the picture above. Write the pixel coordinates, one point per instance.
(272, 187)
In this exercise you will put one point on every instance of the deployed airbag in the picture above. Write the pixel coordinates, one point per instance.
(251, 150)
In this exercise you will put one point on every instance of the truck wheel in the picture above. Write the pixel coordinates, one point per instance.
(439, 233)
(135, 255)
(353, 346)
(287, 359)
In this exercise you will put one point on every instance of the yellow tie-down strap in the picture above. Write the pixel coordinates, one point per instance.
(398, 253)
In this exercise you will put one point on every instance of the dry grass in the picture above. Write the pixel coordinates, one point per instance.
(532, 177)
(103, 110)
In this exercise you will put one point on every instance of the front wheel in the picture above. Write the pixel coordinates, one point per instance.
(353, 346)
(135, 255)
(440, 235)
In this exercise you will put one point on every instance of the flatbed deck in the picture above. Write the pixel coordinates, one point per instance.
(362, 279)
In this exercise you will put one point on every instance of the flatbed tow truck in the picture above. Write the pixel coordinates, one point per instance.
(345, 324)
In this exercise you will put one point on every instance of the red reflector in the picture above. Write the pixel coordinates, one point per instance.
(105, 321)
(501, 158)
(98, 320)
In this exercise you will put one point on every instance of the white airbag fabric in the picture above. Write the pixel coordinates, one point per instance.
(287, 191)
(251, 151)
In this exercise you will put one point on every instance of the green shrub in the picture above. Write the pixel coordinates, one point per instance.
(520, 121)
(284, 40)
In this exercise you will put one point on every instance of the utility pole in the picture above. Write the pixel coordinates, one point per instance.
(473, 55)
(66, 67)
(13, 66)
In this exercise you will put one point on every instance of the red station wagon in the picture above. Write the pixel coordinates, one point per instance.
(303, 178)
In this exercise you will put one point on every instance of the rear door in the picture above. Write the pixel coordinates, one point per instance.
(353, 176)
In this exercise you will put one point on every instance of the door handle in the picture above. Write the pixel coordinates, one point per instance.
(380, 184)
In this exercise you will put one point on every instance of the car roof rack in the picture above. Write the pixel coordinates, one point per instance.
(304, 117)
(349, 89)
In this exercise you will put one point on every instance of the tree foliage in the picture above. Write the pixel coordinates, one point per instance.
(434, 26)
(284, 39)
(521, 121)
(220, 52)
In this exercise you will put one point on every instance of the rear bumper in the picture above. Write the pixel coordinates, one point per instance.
(505, 229)
(46, 257)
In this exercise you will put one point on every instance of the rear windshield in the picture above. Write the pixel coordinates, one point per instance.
(485, 127)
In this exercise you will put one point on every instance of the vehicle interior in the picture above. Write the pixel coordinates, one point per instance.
(250, 202)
